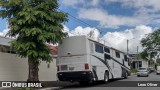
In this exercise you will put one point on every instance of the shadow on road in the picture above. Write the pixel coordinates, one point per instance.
(95, 84)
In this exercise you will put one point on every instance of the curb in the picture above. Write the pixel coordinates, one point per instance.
(7, 88)
(4, 88)
(1, 88)
(51, 88)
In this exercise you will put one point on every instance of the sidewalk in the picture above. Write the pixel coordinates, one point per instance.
(47, 85)
(2, 88)
(55, 85)
(50, 88)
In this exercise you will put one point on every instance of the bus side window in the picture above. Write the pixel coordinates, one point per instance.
(117, 54)
(125, 58)
(106, 50)
(98, 48)
(106, 56)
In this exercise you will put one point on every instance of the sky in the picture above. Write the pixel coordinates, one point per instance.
(112, 22)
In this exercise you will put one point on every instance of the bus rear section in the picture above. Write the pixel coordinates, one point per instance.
(73, 60)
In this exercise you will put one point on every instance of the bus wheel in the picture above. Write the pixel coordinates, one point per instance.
(84, 83)
(106, 77)
(126, 75)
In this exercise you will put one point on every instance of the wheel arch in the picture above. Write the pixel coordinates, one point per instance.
(106, 71)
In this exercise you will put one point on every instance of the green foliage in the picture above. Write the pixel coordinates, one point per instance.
(144, 54)
(158, 61)
(151, 41)
(34, 23)
(133, 70)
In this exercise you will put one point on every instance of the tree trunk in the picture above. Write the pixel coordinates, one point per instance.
(33, 71)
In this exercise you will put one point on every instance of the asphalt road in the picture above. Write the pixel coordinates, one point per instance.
(133, 78)
(152, 77)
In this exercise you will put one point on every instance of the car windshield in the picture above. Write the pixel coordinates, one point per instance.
(142, 69)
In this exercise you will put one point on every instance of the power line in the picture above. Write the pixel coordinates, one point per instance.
(76, 18)
(80, 20)
(83, 22)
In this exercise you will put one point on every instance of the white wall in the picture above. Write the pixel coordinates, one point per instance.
(14, 68)
(144, 63)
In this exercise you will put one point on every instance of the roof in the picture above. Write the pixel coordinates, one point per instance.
(5, 41)
(53, 49)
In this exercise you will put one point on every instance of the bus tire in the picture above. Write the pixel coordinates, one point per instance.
(106, 77)
(126, 75)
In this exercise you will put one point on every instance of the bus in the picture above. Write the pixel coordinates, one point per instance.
(85, 60)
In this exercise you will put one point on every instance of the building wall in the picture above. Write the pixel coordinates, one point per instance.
(14, 68)
(143, 62)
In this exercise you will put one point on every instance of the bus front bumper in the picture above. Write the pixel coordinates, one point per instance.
(75, 76)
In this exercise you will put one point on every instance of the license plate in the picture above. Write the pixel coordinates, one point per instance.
(71, 68)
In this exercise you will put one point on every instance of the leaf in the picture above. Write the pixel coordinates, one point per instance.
(33, 23)
(151, 41)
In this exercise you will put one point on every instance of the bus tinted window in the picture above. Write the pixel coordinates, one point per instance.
(107, 56)
(117, 54)
(99, 48)
(106, 50)
(125, 57)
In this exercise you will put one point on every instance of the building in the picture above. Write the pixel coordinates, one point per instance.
(14, 68)
(137, 62)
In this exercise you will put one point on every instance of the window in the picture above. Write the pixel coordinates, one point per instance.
(106, 50)
(140, 63)
(117, 54)
(107, 56)
(4, 48)
(125, 58)
(7, 49)
(98, 48)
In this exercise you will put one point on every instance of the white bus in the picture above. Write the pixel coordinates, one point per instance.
(85, 60)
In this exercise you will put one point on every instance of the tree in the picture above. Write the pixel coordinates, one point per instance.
(34, 23)
(151, 43)
(158, 61)
(143, 54)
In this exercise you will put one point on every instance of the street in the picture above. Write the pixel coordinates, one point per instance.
(100, 86)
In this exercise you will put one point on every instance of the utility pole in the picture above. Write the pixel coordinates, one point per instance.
(127, 46)
(137, 58)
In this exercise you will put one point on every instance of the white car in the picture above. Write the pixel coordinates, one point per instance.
(143, 72)
(151, 69)
(158, 70)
